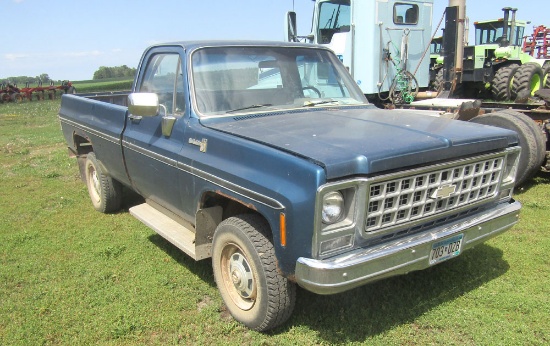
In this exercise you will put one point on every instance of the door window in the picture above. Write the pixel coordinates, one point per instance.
(405, 14)
(163, 76)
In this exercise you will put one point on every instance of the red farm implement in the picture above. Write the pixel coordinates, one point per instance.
(538, 44)
(11, 93)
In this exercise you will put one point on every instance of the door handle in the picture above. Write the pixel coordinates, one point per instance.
(135, 118)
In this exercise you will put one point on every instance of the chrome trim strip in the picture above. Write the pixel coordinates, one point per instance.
(90, 130)
(356, 268)
(237, 189)
(150, 154)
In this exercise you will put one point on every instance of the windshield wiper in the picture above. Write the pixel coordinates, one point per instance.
(249, 107)
(318, 102)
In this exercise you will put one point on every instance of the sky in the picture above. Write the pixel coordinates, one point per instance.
(71, 39)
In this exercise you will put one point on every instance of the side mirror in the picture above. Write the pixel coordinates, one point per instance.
(290, 27)
(143, 104)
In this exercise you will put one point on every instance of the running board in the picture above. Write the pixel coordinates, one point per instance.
(177, 234)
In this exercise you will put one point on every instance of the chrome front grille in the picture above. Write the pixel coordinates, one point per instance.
(395, 202)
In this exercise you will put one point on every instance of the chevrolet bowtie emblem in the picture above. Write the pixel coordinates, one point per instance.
(444, 191)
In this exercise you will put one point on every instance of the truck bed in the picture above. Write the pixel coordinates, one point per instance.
(98, 119)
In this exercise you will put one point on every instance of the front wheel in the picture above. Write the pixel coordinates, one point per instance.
(105, 192)
(244, 263)
(502, 84)
(527, 79)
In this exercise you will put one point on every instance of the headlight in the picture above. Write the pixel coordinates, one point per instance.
(333, 207)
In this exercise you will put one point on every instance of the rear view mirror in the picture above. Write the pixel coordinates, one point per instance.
(268, 64)
(290, 27)
(143, 104)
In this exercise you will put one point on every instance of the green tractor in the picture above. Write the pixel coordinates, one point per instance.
(436, 58)
(496, 67)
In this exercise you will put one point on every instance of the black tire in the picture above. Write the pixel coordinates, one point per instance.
(501, 87)
(536, 130)
(528, 77)
(546, 76)
(105, 192)
(439, 80)
(17, 97)
(242, 251)
(529, 156)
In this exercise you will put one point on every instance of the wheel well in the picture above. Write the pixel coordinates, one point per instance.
(82, 145)
(230, 205)
(215, 207)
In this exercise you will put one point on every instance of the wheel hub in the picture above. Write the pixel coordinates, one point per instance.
(241, 275)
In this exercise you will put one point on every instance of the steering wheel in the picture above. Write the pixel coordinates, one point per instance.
(309, 87)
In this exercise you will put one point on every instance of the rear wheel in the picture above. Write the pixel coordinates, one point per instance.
(245, 270)
(105, 192)
(546, 76)
(502, 83)
(17, 98)
(438, 82)
(527, 78)
(529, 159)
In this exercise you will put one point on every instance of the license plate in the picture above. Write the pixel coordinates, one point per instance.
(445, 249)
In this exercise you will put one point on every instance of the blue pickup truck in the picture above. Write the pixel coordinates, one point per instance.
(267, 158)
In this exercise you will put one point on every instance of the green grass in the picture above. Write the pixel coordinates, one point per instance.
(111, 84)
(70, 275)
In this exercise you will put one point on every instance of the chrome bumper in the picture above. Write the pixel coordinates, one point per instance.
(362, 266)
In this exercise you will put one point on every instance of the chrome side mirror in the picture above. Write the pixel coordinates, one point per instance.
(143, 104)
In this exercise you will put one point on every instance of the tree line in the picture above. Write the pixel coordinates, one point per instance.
(21, 80)
(114, 72)
(102, 73)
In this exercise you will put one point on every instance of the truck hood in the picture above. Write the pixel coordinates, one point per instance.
(351, 141)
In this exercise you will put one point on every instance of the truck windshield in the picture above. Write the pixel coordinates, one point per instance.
(232, 80)
(334, 17)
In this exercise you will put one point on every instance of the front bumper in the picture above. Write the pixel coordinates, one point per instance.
(401, 256)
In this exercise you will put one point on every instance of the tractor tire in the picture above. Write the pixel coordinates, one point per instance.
(546, 76)
(528, 77)
(17, 97)
(501, 87)
(439, 80)
(529, 158)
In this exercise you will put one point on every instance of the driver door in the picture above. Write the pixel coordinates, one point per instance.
(151, 155)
